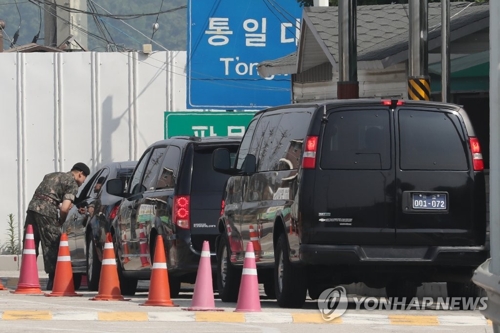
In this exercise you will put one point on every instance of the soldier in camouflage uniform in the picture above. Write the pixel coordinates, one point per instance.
(48, 209)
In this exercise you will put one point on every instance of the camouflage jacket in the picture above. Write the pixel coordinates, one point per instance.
(54, 188)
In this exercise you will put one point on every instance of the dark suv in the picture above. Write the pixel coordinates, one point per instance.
(386, 192)
(173, 192)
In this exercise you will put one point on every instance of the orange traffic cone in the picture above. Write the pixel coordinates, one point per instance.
(254, 239)
(203, 296)
(143, 247)
(248, 296)
(235, 245)
(2, 287)
(63, 277)
(159, 287)
(29, 282)
(109, 284)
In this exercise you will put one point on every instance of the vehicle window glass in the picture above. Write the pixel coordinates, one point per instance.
(99, 183)
(137, 176)
(153, 168)
(205, 179)
(124, 174)
(245, 143)
(431, 141)
(169, 170)
(86, 191)
(358, 139)
(285, 151)
(268, 139)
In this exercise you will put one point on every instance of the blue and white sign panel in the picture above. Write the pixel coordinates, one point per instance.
(226, 41)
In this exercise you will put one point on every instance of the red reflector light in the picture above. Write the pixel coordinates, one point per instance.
(477, 156)
(113, 213)
(309, 159)
(222, 206)
(181, 211)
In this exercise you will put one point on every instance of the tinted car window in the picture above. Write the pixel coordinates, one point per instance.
(287, 148)
(204, 178)
(266, 140)
(357, 140)
(137, 176)
(99, 183)
(153, 168)
(168, 175)
(431, 141)
(245, 144)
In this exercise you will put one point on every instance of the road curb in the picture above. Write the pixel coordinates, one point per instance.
(239, 317)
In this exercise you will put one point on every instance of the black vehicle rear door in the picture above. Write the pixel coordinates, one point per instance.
(435, 202)
(353, 196)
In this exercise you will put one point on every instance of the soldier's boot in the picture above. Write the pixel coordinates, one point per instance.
(50, 282)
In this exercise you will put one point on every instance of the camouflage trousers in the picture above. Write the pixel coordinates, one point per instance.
(47, 231)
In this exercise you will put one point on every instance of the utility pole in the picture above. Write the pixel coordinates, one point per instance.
(418, 73)
(63, 28)
(348, 85)
(445, 51)
(2, 26)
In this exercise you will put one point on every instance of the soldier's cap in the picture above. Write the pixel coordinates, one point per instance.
(81, 167)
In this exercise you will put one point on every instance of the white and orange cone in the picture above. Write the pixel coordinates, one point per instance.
(248, 296)
(29, 282)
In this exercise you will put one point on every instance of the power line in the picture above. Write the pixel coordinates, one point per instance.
(155, 26)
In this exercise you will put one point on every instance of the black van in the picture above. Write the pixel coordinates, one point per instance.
(386, 192)
(173, 192)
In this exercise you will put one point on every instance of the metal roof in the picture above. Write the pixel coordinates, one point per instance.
(382, 35)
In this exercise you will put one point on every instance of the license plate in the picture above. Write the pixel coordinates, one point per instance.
(434, 201)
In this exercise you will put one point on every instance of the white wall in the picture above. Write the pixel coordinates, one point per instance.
(61, 108)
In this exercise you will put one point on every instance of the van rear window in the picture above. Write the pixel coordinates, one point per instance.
(357, 139)
(431, 141)
(205, 179)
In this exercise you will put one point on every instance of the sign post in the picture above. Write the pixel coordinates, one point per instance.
(203, 124)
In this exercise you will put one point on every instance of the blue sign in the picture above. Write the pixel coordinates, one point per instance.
(226, 41)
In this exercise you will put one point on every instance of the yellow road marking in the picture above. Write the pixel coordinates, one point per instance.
(490, 323)
(315, 318)
(26, 315)
(224, 317)
(123, 316)
(414, 320)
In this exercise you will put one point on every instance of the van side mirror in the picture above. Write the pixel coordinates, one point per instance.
(115, 187)
(221, 160)
(249, 165)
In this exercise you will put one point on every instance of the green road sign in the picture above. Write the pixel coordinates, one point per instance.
(206, 123)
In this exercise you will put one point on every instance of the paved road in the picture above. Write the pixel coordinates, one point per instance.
(19, 313)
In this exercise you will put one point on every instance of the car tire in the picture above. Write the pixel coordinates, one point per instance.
(402, 289)
(290, 280)
(270, 289)
(93, 266)
(228, 275)
(462, 289)
(77, 280)
(175, 286)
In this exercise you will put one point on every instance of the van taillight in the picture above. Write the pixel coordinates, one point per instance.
(113, 213)
(181, 211)
(393, 102)
(477, 157)
(309, 160)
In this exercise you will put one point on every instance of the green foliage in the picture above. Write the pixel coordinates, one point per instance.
(12, 245)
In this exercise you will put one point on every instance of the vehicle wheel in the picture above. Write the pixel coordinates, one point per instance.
(93, 267)
(228, 275)
(315, 290)
(175, 286)
(128, 286)
(269, 289)
(402, 289)
(462, 289)
(77, 280)
(290, 280)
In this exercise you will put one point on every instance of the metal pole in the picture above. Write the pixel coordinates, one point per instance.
(347, 86)
(2, 26)
(418, 78)
(445, 50)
